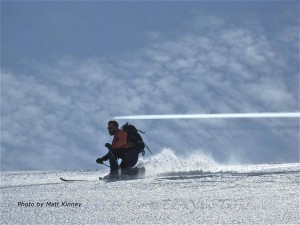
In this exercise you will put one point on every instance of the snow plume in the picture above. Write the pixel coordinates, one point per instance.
(167, 161)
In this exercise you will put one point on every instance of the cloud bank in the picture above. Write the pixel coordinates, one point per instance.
(55, 116)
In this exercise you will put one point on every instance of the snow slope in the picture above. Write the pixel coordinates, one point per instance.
(209, 194)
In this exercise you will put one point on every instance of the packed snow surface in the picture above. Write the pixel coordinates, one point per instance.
(179, 191)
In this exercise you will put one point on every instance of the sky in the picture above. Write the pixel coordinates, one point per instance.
(69, 67)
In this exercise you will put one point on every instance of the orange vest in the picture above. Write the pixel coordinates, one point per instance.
(120, 140)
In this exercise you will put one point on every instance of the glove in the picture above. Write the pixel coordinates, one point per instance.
(107, 145)
(99, 160)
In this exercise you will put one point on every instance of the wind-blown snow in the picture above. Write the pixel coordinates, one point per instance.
(193, 190)
(167, 161)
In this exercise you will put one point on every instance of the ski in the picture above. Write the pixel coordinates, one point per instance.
(133, 173)
(68, 180)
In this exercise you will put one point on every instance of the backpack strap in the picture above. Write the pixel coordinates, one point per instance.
(147, 148)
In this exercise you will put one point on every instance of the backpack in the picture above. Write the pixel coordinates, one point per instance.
(134, 138)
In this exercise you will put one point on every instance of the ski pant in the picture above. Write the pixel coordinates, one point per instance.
(128, 156)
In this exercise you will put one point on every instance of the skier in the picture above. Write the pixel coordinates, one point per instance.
(120, 148)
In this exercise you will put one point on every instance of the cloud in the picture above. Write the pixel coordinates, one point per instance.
(55, 116)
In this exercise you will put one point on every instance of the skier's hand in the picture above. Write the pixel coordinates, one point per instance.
(99, 160)
(107, 145)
